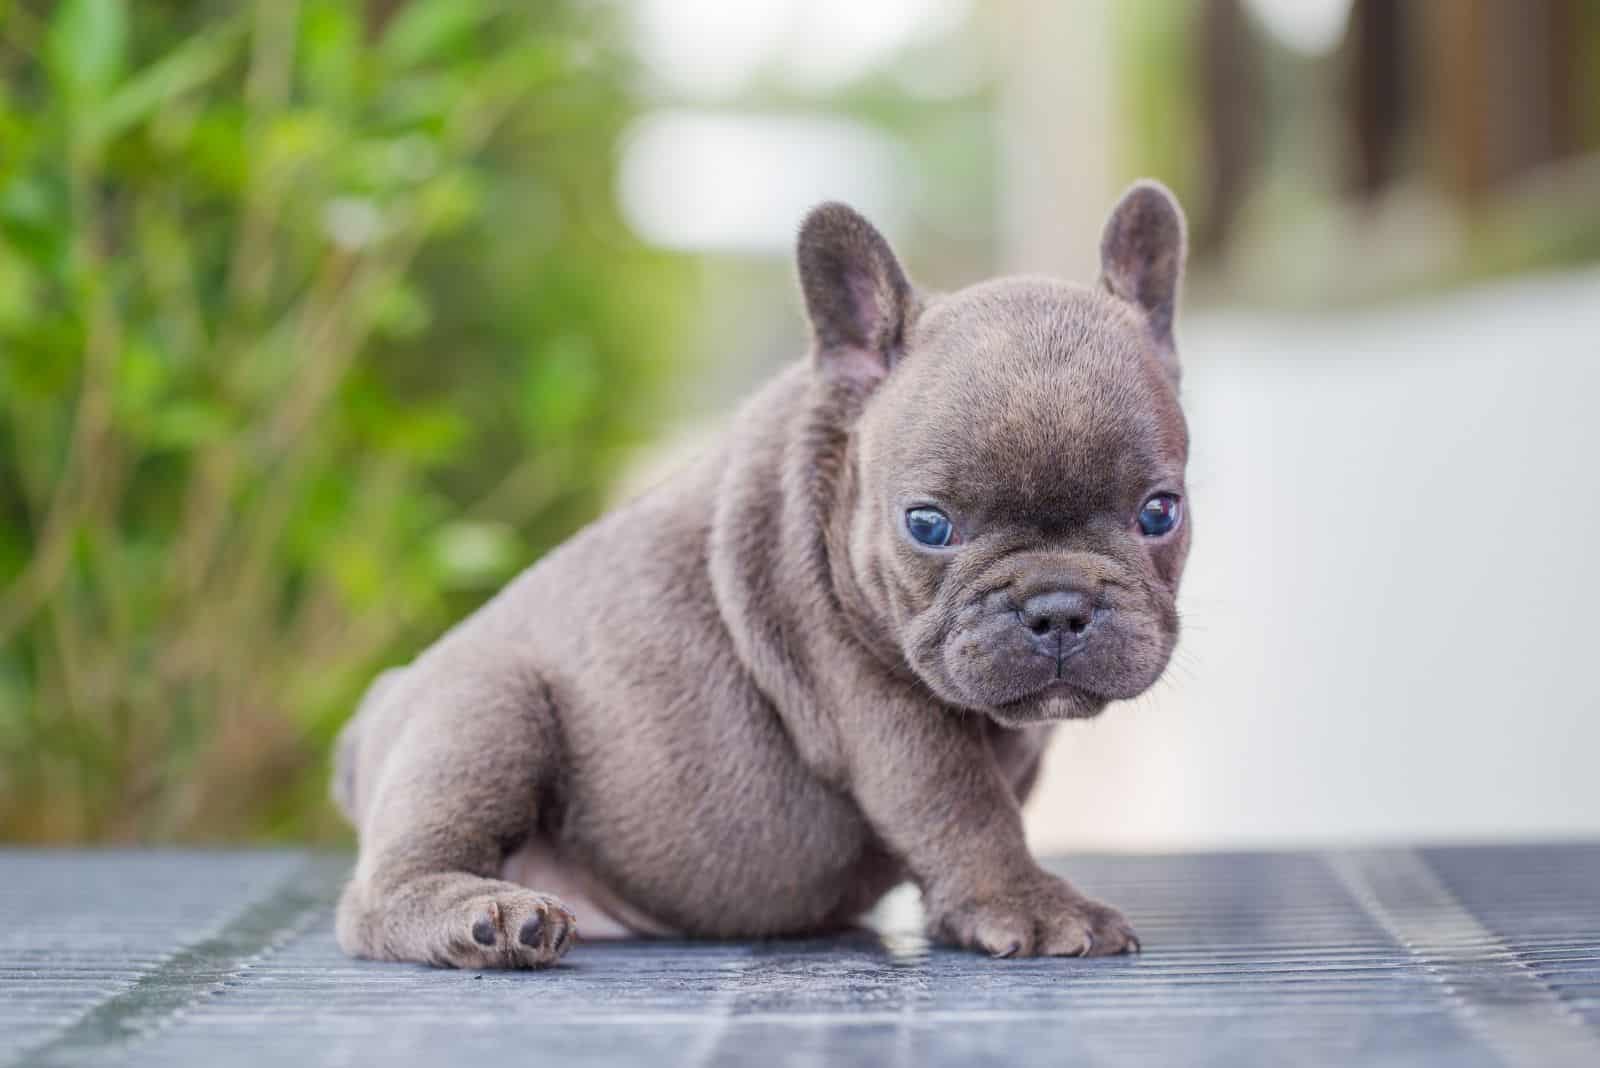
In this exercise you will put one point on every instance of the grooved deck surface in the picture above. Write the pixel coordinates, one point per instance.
(1455, 956)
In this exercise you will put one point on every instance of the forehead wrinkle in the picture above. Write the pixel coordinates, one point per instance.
(1051, 431)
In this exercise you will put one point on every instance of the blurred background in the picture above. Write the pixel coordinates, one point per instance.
(319, 319)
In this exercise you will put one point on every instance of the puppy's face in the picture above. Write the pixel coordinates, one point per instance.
(1021, 522)
(1022, 518)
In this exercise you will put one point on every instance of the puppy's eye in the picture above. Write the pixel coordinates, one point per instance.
(1159, 515)
(930, 526)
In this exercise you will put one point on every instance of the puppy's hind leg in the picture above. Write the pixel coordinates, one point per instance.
(458, 787)
(348, 750)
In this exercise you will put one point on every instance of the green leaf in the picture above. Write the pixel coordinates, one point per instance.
(182, 425)
(560, 388)
(85, 46)
(331, 42)
(448, 202)
(357, 571)
(475, 554)
(428, 29)
(399, 311)
(187, 67)
(19, 294)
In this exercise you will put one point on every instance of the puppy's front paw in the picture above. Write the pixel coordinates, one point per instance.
(1047, 919)
(510, 929)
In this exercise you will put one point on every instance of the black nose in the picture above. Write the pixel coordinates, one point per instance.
(1057, 613)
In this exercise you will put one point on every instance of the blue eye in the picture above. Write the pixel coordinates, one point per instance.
(930, 526)
(1159, 515)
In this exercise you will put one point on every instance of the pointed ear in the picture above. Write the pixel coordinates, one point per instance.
(1141, 259)
(856, 295)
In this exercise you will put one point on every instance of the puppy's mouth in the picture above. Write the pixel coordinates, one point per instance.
(1039, 687)
(1064, 651)
(1057, 698)
(1016, 677)
(1062, 658)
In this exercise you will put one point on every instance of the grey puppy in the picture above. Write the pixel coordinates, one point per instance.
(823, 659)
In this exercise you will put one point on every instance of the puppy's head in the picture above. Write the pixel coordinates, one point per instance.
(1019, 520)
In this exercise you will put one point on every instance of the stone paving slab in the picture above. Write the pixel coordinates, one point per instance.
(1481, 956)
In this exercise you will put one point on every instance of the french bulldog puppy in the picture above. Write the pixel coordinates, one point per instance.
(822, 660)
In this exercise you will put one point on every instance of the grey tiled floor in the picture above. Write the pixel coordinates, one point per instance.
(1442, 956)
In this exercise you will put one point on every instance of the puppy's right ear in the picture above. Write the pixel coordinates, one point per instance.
(857, 296)
(1141, 260)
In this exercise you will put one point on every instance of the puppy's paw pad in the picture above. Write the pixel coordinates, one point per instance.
(1110, 932)
(1046, 921)
(486, 925)
(515, 930)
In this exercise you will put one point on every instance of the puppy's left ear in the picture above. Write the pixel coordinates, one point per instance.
(1141, 259)
(857, 296)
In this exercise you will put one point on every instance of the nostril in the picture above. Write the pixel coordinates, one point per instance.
(1058, 613)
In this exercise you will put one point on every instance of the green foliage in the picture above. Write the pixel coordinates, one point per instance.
(1155, 43)
(316, 323)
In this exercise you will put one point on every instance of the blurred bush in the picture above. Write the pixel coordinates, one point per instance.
(316, 323)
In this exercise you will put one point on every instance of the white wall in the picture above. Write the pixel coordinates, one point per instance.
(1391, 604)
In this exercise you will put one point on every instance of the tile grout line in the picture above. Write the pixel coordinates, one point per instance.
(1513, 1010)
(197, 971)
(717, 1021)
